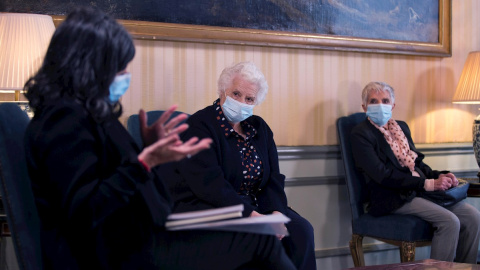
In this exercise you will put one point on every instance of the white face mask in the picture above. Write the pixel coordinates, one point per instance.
(236, 111)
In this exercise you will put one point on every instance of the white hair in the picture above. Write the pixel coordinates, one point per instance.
(247, 71)
(377, 87)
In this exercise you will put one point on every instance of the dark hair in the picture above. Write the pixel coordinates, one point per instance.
(85, 53)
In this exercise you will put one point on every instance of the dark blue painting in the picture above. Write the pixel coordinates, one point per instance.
(411, 20)
(301, 23)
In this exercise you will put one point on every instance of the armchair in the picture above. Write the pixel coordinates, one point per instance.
(16, 190)
(404, 231)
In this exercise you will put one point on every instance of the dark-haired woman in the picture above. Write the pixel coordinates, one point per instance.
(100, 204)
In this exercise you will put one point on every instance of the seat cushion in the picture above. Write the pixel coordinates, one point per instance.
(394, 227)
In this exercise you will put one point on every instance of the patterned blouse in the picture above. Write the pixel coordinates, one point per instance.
(251, 162)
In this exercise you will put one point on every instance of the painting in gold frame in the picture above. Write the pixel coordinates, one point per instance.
(440, 47)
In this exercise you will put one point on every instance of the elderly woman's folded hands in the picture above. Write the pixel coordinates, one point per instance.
(445, 181)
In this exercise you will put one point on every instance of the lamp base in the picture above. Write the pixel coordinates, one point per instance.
(476, 141)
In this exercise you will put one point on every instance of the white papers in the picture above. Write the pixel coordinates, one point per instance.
(202, 216)
(205, 213)
(173, 223)
(268, 224)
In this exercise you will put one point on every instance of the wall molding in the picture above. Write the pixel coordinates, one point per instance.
(345, 251)
(314, 181)
(333, 151)
(309, 152)
(446, 149)
(340, 180)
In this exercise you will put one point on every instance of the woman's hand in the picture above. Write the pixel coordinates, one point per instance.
(162, 127)
(443, 182)
(256, 214)
(453, 177)
(171, 148)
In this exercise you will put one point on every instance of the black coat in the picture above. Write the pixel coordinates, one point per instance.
(390, 184)
(212, 178)
(96, 203)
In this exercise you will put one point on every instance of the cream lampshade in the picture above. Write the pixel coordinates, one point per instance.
(24, 39)
(468, 92)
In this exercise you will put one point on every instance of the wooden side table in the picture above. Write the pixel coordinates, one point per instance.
(474, 188)
(427, 264)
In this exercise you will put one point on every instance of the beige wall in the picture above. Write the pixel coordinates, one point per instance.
(310, 89)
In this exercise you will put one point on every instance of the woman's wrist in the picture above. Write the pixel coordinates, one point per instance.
(429, 185)
(144, 164)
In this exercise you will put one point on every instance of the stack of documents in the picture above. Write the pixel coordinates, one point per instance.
(227, 219)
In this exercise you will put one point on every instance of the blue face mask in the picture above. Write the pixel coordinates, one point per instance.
(119, 86)
(236, 111)
(379, 113)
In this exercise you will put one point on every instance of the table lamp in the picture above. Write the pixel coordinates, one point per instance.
(468, 92)
(24, 40)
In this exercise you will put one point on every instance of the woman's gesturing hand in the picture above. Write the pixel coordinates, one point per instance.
(171, 148)
(162, 127)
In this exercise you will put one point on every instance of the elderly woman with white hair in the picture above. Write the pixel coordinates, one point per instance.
(241, 166)
(384, 151)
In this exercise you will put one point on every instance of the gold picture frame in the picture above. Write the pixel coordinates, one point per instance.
(242, 36)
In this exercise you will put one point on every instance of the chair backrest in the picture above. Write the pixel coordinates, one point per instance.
(133, 124)
(15, 188)
(354, 179)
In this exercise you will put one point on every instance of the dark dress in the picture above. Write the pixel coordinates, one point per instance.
(100, 209)
(217, 178)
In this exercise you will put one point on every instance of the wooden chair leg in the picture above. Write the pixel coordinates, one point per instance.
(356, 248)
(407, 252)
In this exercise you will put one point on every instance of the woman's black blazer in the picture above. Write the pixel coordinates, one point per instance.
(390, 184)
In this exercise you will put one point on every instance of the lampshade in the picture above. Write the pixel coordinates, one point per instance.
(468, 92)
(468, 88)
(24, 39)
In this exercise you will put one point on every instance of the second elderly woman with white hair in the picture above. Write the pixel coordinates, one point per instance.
(384, 151)
(241, 166)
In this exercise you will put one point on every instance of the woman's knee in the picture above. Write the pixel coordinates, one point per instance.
(300, 230)
(472, 218)
(299, 223)
(449, 222)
